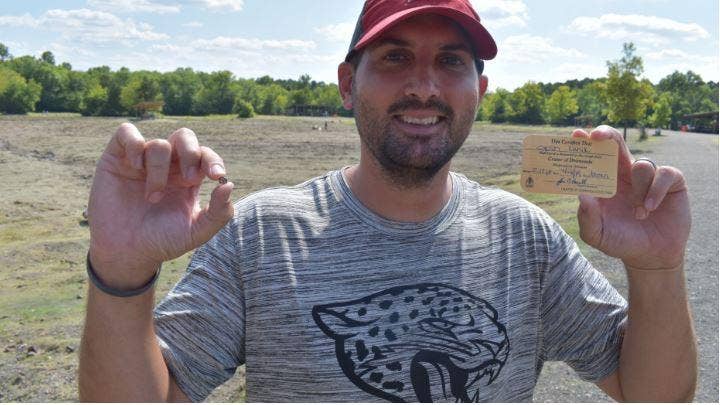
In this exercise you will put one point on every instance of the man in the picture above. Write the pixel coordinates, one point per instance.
(394, 279)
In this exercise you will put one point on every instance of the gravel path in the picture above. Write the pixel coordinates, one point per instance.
(697, 156)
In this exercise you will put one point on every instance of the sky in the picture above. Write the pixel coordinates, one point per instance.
(538, 40)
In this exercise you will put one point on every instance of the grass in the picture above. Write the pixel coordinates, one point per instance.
(46, 166)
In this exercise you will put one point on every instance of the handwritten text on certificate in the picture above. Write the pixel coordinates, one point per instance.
(565, 165)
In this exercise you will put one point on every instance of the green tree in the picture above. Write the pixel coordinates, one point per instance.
(592, 103)
(179, 89)
(94, 100)
(689, 94)
(17, 95)
(528, 104)
(75, 88)
(141, 94)
(274, 99)
(113, 82)
(62, 88)
(243, 109)
(562, 106)
(217, 96)
(250, 91)
(4, 52)
(299, 97)
(663, 112)
(48, 57)
(496, 106)
(627, 96)
(327, 95)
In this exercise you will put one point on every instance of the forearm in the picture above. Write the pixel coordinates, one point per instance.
(658, 361)
(120, 359)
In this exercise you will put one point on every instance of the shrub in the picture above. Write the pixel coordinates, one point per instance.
(243, 109)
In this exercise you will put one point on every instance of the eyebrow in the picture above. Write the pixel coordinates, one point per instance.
(391, 41)
(457, 47)
(399, 42)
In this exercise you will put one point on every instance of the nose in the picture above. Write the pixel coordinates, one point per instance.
(422, 83)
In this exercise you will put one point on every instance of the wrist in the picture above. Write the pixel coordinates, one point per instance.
(655, 265)
(123, 292)
(121, 273)
(643, 270)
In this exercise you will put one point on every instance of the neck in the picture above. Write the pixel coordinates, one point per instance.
(399, 203)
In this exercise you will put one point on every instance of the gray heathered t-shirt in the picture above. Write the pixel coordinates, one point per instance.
(323, 300)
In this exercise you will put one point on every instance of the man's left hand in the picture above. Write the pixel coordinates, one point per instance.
(647, 223)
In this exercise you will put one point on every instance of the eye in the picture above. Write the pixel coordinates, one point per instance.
(396, 57)
(452, 60)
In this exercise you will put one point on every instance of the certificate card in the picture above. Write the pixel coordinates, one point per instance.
(565, 165)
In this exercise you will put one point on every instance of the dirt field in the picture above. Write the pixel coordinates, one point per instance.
(46, 168)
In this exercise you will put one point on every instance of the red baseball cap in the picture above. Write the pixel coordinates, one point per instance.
(380, 15)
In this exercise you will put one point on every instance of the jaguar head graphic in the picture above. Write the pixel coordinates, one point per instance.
(435, 341)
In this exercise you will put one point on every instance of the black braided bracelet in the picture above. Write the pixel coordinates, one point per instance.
(115, 292)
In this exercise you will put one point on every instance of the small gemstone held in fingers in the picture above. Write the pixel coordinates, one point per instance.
(222, 180)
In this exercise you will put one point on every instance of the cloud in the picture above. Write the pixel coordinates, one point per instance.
(253, 44)
(222, 5)
(663, 62)
(568, 71)
(133, 6)
(25, 20)
(639, 28)
(532, 49)
(667, 54)
(245, 57)
(64, 51)
(496, 14)
(87, 26)
(341, 32)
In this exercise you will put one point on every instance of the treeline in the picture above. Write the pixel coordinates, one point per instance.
(620, 98)
(39, 84)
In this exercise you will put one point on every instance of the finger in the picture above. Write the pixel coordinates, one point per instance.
(157, 166)
(667, 180)
(212, 164)
(589, 220)
(186, 147)
(215, 215)
(643, 173)
(127, 143)
(579, 133)
(625, 159)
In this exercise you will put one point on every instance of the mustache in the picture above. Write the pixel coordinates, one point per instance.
(413, 103)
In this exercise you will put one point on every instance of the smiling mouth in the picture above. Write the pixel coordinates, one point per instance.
(420, 121)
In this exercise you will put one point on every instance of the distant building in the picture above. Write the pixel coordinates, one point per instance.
(701, 122)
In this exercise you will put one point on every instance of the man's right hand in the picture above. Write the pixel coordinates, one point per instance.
(144, 204)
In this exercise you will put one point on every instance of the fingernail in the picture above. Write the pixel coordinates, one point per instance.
(649, 204)
(640, 213)
(156, 197)
(217, 170)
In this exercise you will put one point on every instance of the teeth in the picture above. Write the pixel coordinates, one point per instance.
(420, 121)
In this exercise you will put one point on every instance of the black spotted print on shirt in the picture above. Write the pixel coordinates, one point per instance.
(405, 338)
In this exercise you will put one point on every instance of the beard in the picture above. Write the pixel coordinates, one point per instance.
(410, 161)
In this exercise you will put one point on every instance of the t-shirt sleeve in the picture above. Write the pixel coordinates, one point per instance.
(200, 325)
(583, 316)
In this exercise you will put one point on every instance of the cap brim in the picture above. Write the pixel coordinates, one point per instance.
(483, 42)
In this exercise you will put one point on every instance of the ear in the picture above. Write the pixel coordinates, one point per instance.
(483, 85)
(346, 75)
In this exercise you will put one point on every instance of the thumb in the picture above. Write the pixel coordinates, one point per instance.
(590, 220)
(215, 215)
